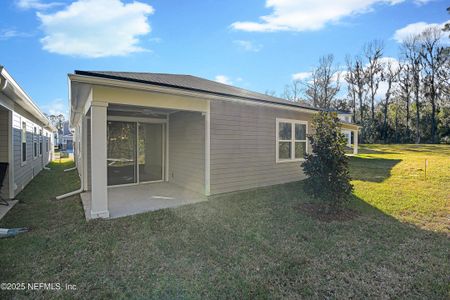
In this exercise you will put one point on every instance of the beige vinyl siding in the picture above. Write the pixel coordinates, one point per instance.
(4, 126)
(243, 147)
(187, 150)
(24, 172)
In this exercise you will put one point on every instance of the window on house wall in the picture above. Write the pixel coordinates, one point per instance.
(24, 142)
(291, 140)
(35, 145)
(46, 142)
(40, 142)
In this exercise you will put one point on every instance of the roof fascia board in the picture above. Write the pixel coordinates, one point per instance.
(28, 104)
(179, 91)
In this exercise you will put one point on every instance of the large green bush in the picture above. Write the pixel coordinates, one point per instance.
(327, 165)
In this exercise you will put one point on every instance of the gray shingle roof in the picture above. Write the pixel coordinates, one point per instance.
(193, 83)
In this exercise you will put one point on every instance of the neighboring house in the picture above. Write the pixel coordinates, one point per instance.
(201, 135)
(56, 139)
(66, 137)
(346, 117)
(25, 136)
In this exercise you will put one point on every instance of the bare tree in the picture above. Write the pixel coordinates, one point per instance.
(390, 77)
(396, 113)
(373, 52)
(270, 93)
(323, 86)
(411, 52)
(350, 79)
(57, 121)
(404, 80)
(356, 81)
(293, 91)
(433, 63)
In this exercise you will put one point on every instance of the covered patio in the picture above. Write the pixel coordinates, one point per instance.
(137, 149)
(130, 200)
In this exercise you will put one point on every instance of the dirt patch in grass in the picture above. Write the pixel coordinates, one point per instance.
(324, 213)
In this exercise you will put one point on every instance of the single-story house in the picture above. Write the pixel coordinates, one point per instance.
(25, 136)
(346, 117)
(197, 134)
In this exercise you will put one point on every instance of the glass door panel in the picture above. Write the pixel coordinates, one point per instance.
(150, 156)
(121, 151)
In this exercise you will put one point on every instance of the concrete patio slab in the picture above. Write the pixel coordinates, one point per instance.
(130, 200)
(4, 209)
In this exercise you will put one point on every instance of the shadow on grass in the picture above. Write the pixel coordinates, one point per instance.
(251, 244)
(370, 255)
(426, 148)
(371, 169)
(366, 150)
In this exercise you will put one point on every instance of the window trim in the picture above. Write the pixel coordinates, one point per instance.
(22, 135)
(40, 143)
(35, 144)
(46, 142)
(293, 122)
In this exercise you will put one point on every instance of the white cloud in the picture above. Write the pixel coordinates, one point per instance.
(294, 15)
(36, 4)
(223, 79)
(96, 28)
(422, 2)
(248, 45)
(6, 34)
(56, 107)
(301, 75)
(413, 29)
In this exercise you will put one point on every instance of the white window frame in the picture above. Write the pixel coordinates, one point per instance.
(46, 142)
(40, 145)
(22, 136)
(35, 143)
(292, 140)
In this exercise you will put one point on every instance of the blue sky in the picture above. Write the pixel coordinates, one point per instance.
(254, 44)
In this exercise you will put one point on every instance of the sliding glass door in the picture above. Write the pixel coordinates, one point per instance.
(150, 158)
(121, 150)
(135, 152)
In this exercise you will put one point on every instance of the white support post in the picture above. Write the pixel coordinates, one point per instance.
(167, 158)
(355, 142)
(99, 193)
(207, 151)
(84, 151)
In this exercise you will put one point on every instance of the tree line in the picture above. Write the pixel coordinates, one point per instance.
(395, 100)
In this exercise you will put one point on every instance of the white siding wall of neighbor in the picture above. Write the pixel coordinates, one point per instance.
(187, 150)
(4, 148)
(25, 171)
(243, 147)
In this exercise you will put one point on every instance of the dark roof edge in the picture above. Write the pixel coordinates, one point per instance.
(92, 74)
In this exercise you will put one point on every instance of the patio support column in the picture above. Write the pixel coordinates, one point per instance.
(355, 141)
(84, 151)
(99, 194)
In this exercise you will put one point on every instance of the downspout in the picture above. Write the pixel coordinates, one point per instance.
(76, 192)
(80, 190)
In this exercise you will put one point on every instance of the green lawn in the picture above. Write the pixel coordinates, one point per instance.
(252, 244)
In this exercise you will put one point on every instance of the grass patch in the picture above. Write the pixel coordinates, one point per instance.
(251, 244)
